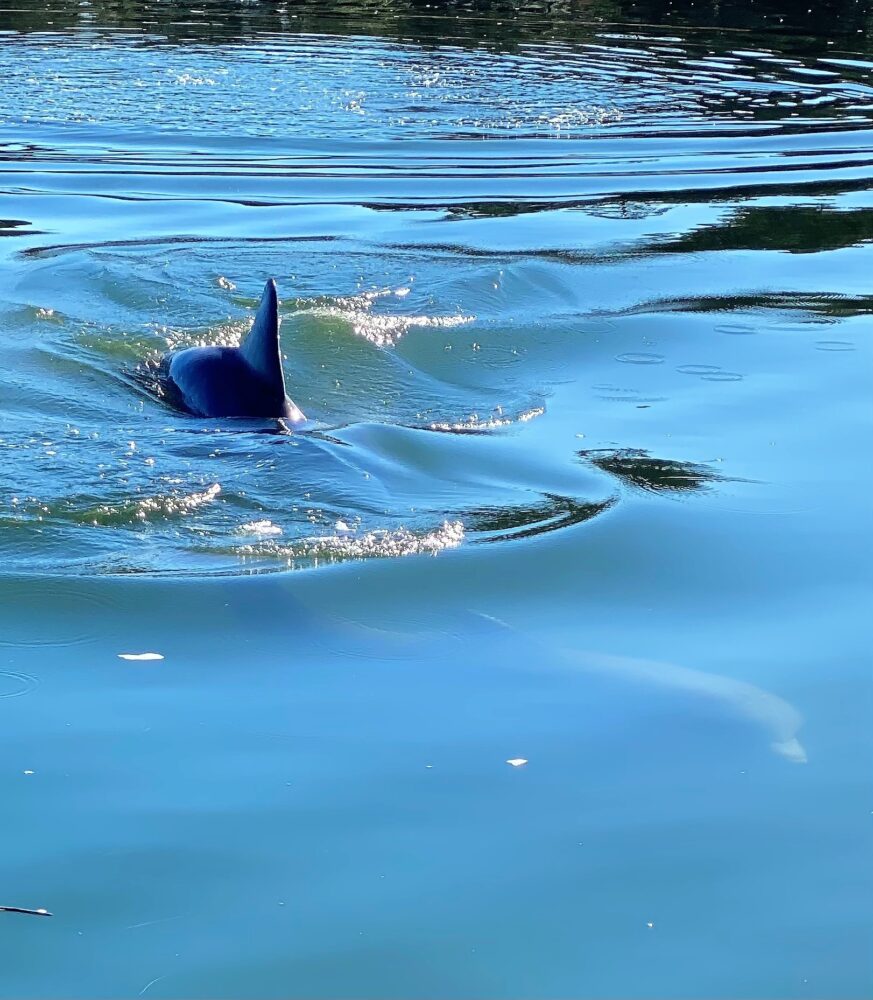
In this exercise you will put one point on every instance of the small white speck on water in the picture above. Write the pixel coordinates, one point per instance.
(140, 656)
(29, 772)
(649, 924)
(517, 761)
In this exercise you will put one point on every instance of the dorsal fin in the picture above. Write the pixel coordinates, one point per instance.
(261, 346)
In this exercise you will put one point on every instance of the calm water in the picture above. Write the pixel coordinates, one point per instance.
(579, 301)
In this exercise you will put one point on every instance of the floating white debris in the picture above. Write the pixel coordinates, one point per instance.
(140, 656)
(30, 772)
(649, 924)
(517, 761)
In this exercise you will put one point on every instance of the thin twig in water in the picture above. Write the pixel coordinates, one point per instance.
(23, 909)
(149, 923)
(152, 983)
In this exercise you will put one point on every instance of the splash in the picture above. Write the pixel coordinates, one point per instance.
(476, 424)
(162, 506)
(381, 329)
(259, 528)
(377, 544)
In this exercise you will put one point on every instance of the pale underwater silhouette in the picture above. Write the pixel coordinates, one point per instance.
(777, 717)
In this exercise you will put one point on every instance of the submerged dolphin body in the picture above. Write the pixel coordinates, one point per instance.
(244, 381)
(779, 719)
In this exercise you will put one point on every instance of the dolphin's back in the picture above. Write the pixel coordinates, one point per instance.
(219, 382)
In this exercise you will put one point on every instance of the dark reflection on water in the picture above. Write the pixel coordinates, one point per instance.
(498, 22)
(635, 467)
(807, 307)
(13, 227)
(797, 229)
(525, 521)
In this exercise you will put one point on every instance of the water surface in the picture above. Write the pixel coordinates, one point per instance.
(579, 305)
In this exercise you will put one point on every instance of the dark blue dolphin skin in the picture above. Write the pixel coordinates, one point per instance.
(244, 381)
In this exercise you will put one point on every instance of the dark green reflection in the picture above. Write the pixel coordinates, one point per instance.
(822, 307)
(795, 229)
(526, 520)
(14, 227)
(637, 468)
(501, 23)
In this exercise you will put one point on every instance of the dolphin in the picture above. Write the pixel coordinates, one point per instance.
(779, 719)
(244, 381)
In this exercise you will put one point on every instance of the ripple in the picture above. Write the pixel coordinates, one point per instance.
(699, 369)
(358, 176)
(618, 394)
(722, 376)
(14, 684)
(834, 345)
(642, 358)
(49, 613)
(736, 329)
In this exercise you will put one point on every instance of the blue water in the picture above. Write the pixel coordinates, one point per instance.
(579, 305)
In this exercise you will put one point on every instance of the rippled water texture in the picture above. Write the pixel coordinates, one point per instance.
(432, 281)
(578, 301)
